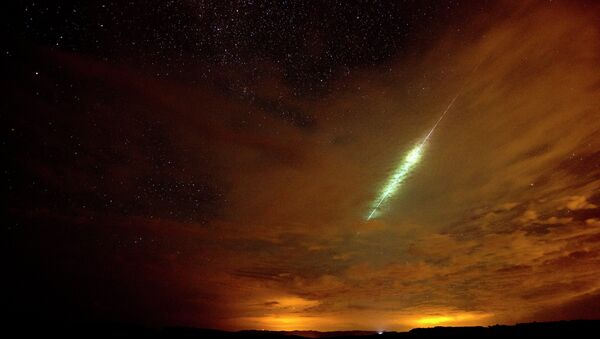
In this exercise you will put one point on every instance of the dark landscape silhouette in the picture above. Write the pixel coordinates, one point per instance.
(559, 329)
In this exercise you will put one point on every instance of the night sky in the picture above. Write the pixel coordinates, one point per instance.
(211, 164)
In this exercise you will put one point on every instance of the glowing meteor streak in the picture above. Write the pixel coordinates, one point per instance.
(410, 160)
(401, 172)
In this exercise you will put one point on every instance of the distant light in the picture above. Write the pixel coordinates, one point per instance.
(380, 332)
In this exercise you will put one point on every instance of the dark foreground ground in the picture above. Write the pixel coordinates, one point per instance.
(562, 329)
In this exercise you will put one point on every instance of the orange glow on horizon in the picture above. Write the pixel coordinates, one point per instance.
(456, 319)
(435, 320)
(284, 322)
(389, 321)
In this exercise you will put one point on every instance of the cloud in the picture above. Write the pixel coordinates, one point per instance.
(579, 202)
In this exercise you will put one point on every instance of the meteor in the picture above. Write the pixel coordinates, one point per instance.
(401, 172)
(405, 166)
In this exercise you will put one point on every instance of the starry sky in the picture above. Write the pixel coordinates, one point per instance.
(210, 164)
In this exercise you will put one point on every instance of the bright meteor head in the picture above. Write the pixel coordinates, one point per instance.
(402, 170)
(398, 176)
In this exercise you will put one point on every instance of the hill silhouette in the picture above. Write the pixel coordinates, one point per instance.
(559, 329)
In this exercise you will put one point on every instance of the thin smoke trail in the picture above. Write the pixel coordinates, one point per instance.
(451, 102)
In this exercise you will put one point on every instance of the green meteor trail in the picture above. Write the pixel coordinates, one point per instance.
(411, 159)
(404, 168)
